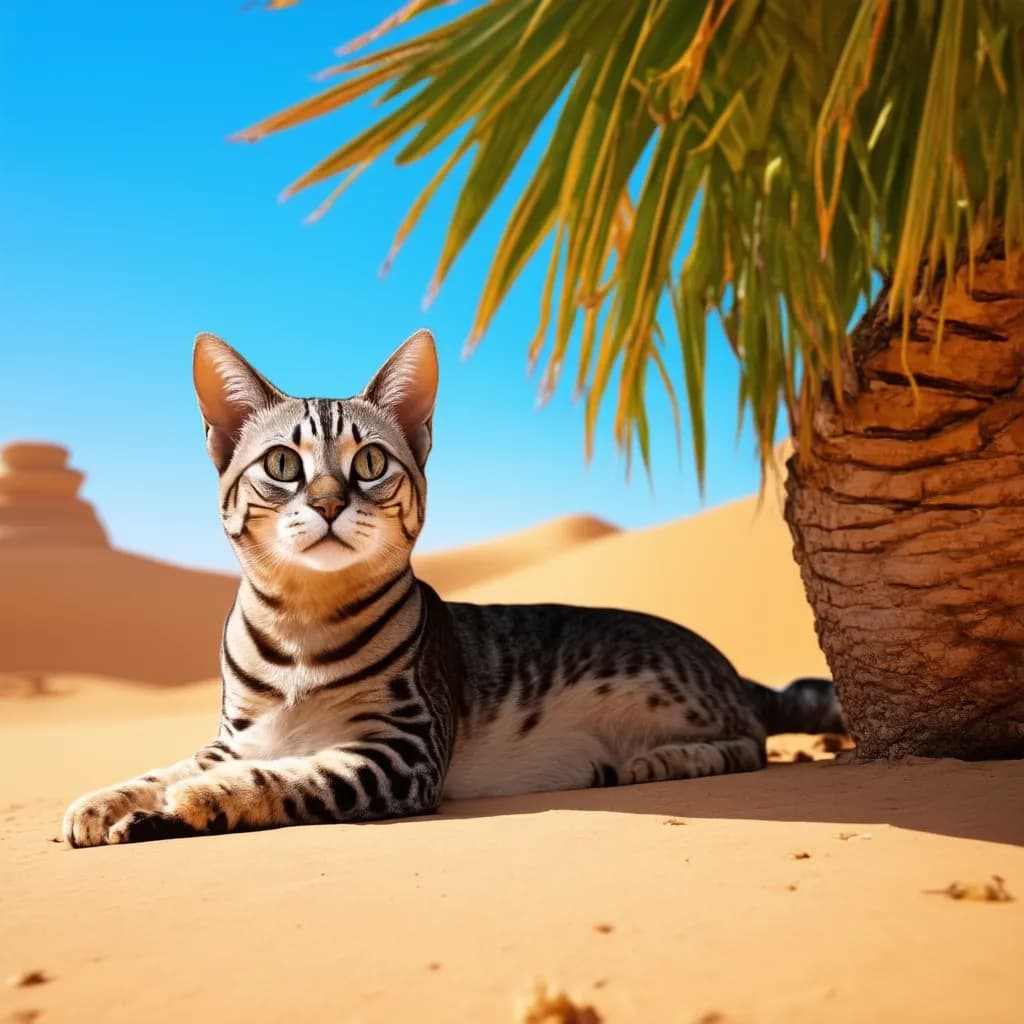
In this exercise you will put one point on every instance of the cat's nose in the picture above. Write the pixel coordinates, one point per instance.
(327, 495)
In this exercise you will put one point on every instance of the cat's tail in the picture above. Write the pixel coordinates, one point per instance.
(806, 705)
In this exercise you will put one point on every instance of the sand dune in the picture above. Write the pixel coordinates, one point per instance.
(82, 609)
(450, 571)
(727, 573)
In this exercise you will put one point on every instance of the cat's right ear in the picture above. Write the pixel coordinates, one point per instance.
(230, 391)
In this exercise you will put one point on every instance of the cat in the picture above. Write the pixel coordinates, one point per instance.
(352, 692)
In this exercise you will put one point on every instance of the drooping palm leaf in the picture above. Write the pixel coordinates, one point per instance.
(823, 143)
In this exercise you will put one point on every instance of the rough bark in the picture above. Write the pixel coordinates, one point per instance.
(907, 519)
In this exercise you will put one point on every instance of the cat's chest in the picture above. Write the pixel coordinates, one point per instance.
(307, 720)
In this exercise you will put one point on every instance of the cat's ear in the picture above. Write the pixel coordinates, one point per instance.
(405, 387)
(229, 392)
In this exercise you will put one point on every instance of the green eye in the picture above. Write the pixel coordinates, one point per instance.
(282, 464)
(369, 463)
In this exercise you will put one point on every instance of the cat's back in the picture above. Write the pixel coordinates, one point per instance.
(528, 650)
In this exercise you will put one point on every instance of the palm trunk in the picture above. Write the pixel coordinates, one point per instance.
(908, 524)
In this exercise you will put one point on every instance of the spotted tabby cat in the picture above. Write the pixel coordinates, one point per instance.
(352, 692)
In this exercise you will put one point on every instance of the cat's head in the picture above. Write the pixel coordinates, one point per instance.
(310, 486)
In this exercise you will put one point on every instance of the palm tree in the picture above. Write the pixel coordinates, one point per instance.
(837, 155)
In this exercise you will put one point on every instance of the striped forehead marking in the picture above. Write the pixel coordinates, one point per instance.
(321, 417)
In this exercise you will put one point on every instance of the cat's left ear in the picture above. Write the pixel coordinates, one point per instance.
(405, 387)
(230, 391)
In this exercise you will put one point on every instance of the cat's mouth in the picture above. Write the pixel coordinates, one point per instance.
(329, 540)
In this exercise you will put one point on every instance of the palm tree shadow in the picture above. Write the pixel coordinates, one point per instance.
(969, 800)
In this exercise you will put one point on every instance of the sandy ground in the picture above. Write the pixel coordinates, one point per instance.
(667, 902)
(808, 892)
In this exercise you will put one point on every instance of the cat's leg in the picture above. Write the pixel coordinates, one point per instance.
(87, 822)
(372, 779)
(691, 760)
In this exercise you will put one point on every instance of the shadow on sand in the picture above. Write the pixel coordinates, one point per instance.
(969, 800)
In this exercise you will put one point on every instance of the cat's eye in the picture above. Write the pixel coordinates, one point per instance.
(369, 463)
(282, 464)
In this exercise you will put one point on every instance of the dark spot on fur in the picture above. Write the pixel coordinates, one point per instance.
(529, 722)
(345, 796)
(399, 689)
(368, 780)
(315, 807)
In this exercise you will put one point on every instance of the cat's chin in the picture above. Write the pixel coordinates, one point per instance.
(327, 555)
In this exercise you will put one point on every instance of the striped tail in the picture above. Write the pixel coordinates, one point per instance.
(806, 705)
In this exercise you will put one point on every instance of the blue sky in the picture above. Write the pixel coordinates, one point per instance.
(129, 223)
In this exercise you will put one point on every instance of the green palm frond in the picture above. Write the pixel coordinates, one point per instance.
(820, 144)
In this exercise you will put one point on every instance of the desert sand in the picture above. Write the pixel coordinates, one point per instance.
(811, 891)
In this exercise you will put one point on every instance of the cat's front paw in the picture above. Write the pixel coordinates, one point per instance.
(218, 801)
(147, 826)
(87, 821)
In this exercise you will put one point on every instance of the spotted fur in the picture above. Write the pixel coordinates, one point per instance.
(352, 692)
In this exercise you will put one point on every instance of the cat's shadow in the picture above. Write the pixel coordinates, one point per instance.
(970, 800)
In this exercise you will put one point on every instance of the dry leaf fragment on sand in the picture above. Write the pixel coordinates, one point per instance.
(993, 891)
(557, 1009)
(28, 978)
(23, 1016)
(800, 855)
(603, 928)
(675, 821)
